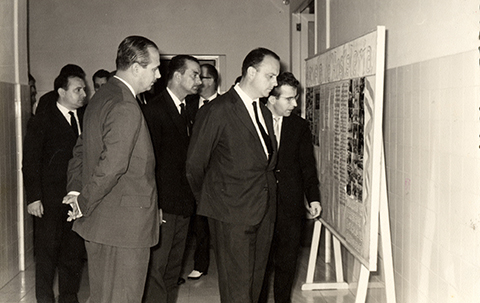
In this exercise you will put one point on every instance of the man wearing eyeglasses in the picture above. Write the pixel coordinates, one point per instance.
(170, 130)
(296, 175)
(207, 92)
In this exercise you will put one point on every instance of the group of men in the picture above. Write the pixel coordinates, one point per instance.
(139, 170)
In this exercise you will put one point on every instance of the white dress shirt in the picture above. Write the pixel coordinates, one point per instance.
(65, 112)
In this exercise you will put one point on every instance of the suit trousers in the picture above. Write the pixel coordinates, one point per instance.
(201, 232)
(166, 260)
(282, 262)
(241, 253)
(116, 274)
(57, 247)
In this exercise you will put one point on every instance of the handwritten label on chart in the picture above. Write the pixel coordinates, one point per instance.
(351, 60)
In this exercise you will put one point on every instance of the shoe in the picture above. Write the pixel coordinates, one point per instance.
(195, 275)
(180, 281)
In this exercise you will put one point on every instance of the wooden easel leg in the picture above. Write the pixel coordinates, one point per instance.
(338, 259)
(328, 247)
(386, 241)
(312, 260)
(309, 285)
(362, 285)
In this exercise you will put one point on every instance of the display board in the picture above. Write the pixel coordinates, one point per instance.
(344, 106)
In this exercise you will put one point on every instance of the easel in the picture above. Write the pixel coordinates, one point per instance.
(362, 286)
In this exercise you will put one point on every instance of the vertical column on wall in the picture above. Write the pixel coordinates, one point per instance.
(316, 25)
(18, 138)
(328, 235)
(327, 24)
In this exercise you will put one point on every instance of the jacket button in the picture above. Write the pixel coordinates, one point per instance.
(278, 181)
(277, 171)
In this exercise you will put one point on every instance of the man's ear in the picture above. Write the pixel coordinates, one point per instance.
(272, 99)
(177, 76)
(61, 92)
(135, 67)
(251, 71)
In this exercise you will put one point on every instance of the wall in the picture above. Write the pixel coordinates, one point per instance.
(14, 90)
(431, 138)
(87, 33)
(431, 112)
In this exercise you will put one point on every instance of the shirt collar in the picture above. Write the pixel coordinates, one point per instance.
(243, 95)
(175, 99)
(65, 110)
(209, 98)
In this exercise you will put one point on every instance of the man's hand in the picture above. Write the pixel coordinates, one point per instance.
(160, 216)
(315, 209)
(75, 213)
(35, 208)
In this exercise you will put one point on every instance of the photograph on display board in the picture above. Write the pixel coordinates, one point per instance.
(356, 119)
(345, 119)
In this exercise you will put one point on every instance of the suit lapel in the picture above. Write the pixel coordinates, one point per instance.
(243, 115)
(286, 133)
(61, 118)
(267, 116)
(174, 114)
(191, 103)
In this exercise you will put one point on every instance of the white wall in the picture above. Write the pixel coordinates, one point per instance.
(432, 94)
(431, 136)
(13, 91)
(87, 33)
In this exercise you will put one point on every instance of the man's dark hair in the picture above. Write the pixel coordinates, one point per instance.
(73, 69)
(62, 79)
(101, 73)
(178, 64)
(285, 78)
(134, 49)
(255, 58)
(211, 72)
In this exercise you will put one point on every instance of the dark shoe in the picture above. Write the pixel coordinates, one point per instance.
(180, 281)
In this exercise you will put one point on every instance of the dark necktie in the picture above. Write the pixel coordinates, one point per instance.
(265, 136)
(183, 114)
(73, 123)
(205, 101)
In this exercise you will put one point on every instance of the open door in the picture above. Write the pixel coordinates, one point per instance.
(303, 47)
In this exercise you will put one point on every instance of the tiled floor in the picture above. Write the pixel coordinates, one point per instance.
(204, 290)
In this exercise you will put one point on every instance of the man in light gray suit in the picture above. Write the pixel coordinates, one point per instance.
(111, 179)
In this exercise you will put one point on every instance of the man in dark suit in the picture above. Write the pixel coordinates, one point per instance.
(49, 99)
(111, 179)
(48, 145)
(296, 173)
(168, 123)
(230, 166)
(208, 91)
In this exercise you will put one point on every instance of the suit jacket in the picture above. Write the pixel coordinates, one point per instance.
(170, 141)
(113, 169)
(47, 148)
(192, 107)
(227, 167)
(47, 100)
(296, 171)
